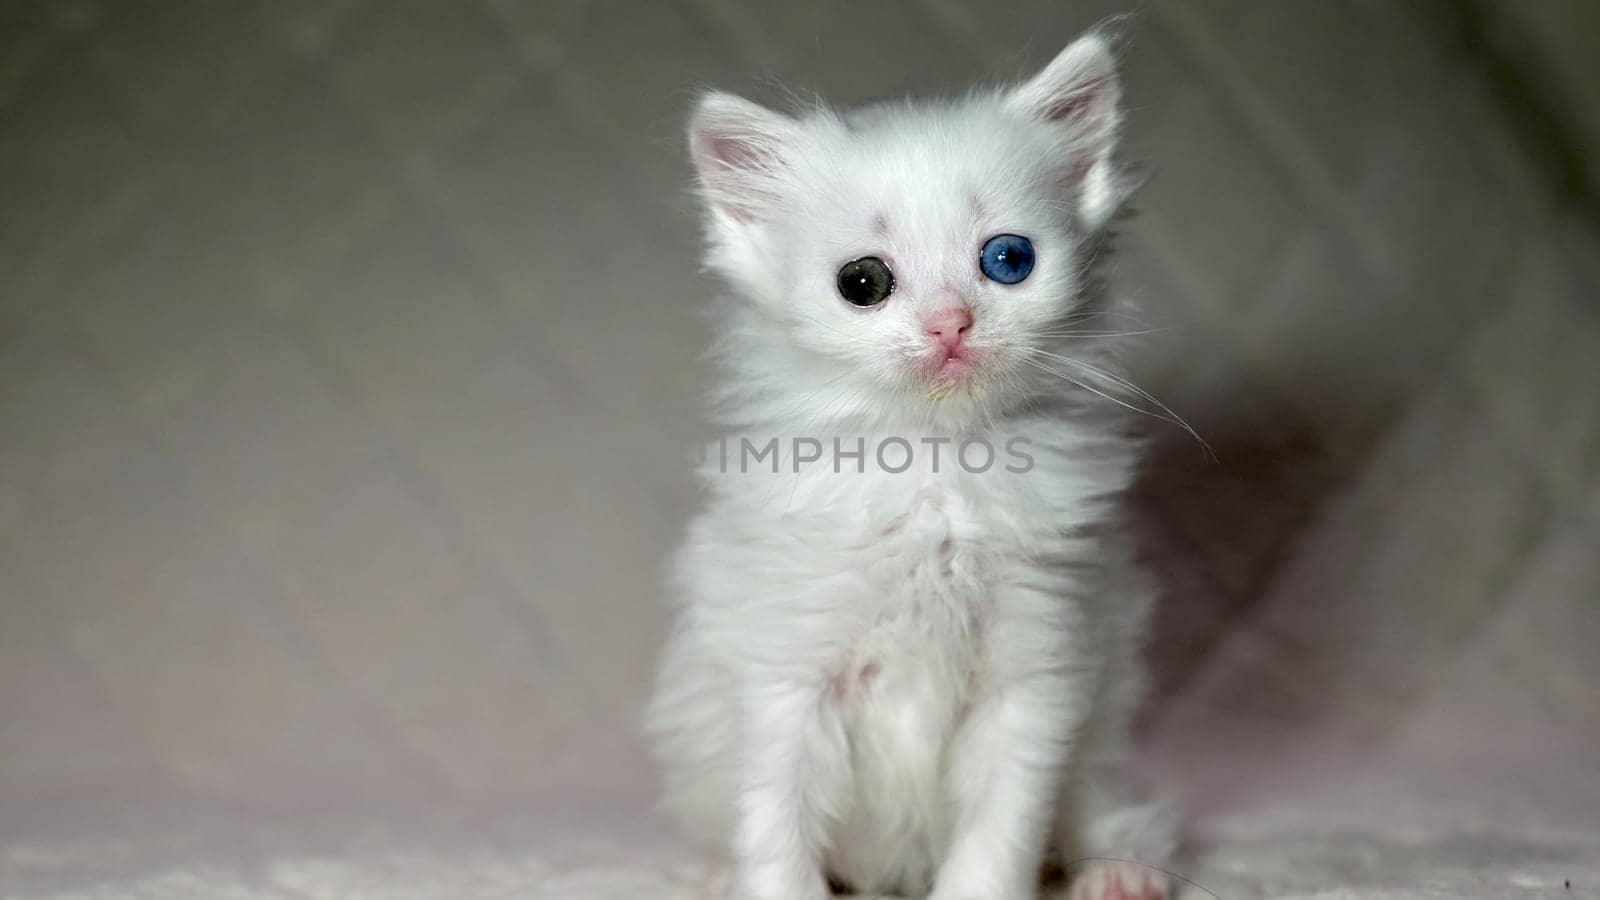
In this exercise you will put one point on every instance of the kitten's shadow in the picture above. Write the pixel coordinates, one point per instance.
(1215, 530)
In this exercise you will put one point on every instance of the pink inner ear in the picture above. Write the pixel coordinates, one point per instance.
(731, 152)
(722, 160)
(1088, 104)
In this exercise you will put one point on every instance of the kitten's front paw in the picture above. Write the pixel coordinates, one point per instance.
(1107, 879)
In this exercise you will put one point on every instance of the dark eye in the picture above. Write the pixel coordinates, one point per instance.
(865, 281)
(1006, 258)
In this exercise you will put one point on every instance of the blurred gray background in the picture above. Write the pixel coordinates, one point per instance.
(348, 367)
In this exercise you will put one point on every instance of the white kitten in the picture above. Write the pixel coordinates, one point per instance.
(896, 667)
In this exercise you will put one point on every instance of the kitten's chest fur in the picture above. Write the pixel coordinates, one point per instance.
(914, 557)
(886, 571)
(918, 628)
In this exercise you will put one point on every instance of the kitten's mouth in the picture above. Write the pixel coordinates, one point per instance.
(956, 367)
(950, 371)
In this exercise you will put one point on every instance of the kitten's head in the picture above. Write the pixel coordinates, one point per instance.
(907, 259)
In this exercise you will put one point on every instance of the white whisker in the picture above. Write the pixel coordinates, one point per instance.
(1166, 411)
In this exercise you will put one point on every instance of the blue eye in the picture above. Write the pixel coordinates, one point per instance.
(1006, 258)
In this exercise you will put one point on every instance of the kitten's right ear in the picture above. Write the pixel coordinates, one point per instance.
(738, 151)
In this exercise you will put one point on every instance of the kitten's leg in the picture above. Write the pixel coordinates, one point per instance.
(1006, 767)
(1009, 757)
(786, 769)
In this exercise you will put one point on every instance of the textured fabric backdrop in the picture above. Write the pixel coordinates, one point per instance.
(347, 376)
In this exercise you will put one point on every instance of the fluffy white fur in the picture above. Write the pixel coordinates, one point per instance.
(914, 682)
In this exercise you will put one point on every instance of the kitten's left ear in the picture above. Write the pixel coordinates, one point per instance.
(1079, 93)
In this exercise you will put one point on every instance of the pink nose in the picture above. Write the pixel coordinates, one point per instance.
(948, 326)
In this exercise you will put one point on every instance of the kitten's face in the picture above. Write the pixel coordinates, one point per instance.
(912, 255)
(925, 260)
